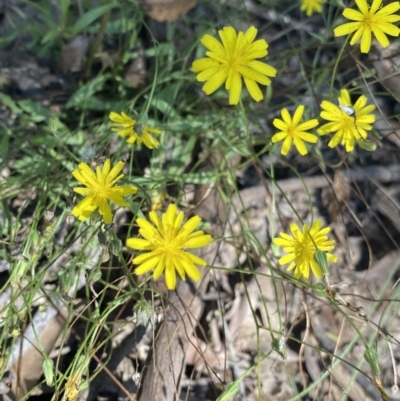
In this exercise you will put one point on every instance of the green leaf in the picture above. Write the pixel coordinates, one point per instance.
(5, 145)
(37, 111)
(322, 261)
(65, 4)
(181, 154)
(9, 102)
(230, 390)
(206, 177)
(164, 106)
(319, 290)
(101, 104)
(371, 356)
(88, 18)
(367, 145)
(278, 345)
(86, 92)
(48, 370)
(50, 36)
(157, 51)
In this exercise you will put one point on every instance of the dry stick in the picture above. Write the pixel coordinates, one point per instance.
(302, 374)
(382, 174)
(123, 344)
(166, 359)
(321, 337)
(257, 194)
(233, 354)
(359, 310)
(27, 344)
(333, 357)
(119, 353)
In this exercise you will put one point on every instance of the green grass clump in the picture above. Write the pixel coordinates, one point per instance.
(203, 145)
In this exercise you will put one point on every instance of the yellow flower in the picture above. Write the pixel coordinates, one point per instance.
(123, 125)
(233, 59)
(157, 200)
(375, 19)
(75, 384)
(301, 248)
(15, 331)
(350, 122)
(72, 388)
(166, 241)
(100, 188)
(294, 130)
(311, 6)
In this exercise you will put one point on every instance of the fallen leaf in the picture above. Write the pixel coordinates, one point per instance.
(73, 53)
(167, 10)
(136, 72)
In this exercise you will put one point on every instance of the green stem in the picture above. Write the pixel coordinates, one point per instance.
(96, 42)
(337, 63)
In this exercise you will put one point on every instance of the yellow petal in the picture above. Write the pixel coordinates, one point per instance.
(301, 148)
(159, 269)
(365, 41)
(198, 242)
(203, 64)
(235, 89)
(280, 136)
(253, 89)
(146, 267)
(115, 171)
(170, 277)
(138, 243)
(212, 44)
(298, 114)
(287, 143)
(228, 37)
(215, 82)
(346, 29)
(250, 34)
(286, 259)
(105, 211)
(381, 37)
(207, 74)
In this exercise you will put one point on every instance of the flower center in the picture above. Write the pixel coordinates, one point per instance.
(169, 241)
(99, 190)
(305, 249)
(292, 131)
(370, 20)
(236, 57)
(349, 126)
(235, 62)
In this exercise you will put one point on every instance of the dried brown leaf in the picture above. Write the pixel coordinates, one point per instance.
(167, 10)
(386, 66)
(342, 191)
(136, 72)
(73, 53)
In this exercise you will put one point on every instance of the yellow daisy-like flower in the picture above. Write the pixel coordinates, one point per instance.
(233, 59)
(350, 122)
(311, 6)
(166, 241)
(72, 388)
(301, 248)
(74, 384)
(293, 130)
(100, 188)
(123, 125)
(375, 19)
